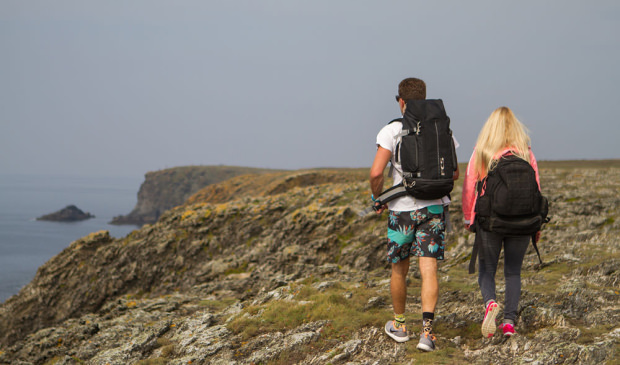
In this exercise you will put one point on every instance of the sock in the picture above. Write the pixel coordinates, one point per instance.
(489, 302)
(427, 321)
(400, 319)
(509, 321)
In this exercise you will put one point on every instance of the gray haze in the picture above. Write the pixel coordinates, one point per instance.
(120, 88)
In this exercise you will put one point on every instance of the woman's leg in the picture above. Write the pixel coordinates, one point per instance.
(488, 256)
(514, 252)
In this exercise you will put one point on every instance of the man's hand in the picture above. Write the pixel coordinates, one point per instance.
(380, 208)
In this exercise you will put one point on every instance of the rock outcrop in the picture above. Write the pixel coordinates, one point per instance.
(296, 276)
(165, 189)
(70, 213)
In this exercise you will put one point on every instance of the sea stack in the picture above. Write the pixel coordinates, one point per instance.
(70, 213)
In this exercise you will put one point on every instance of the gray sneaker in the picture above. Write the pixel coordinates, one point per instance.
(399, 334)
(427, 341)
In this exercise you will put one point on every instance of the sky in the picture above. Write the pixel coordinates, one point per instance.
(121, 88)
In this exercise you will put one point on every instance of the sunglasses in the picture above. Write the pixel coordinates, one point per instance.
(397, 98)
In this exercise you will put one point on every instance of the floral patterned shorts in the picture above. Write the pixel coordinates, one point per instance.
(416, 233)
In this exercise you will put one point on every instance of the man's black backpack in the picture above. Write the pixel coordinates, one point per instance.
(512, 203)
(426, 153)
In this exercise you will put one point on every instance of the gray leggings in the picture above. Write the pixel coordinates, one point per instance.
(514, 251)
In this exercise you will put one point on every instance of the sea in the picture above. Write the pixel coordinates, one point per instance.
(26, 244)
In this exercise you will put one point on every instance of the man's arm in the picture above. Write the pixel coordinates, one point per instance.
(382, 158)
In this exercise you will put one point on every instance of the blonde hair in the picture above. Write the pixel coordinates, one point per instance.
(501, 131)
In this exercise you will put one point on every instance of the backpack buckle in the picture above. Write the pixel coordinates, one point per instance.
(409, 183)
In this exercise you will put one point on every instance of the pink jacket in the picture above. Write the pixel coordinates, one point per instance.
(469, 185)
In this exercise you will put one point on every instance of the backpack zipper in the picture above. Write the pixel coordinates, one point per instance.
(443, 173)
(417, 149)
(440, 160)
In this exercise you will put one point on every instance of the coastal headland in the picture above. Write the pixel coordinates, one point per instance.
(278, 268)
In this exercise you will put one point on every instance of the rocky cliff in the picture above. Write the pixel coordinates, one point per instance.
(165, 189)
(291, 274)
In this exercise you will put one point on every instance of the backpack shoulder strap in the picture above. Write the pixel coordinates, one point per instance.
(399, 135)
(536, 247)
(474, 250)
(480, 185)
(405, 131)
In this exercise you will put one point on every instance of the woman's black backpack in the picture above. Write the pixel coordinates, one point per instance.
(512, 203)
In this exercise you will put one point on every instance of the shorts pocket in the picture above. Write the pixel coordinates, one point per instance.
(435, 209)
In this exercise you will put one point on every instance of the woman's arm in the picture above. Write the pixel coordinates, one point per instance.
(469, 191)
(535, 167)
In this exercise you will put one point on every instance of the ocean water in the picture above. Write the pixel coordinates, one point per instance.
(26, 244)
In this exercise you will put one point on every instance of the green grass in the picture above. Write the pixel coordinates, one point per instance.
(57, 359)
(345, 239)
(591, 334)
(551, 275)
(460, 280)
(217, 305)
(243, 267)
(345, 315)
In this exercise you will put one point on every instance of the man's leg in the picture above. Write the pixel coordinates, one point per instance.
(398, 285)
(400, 237)
(430, 286)
(429, 247)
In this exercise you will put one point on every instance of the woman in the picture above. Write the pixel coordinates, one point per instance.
(501, 135)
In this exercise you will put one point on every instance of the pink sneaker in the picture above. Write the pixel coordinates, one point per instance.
(508, 329)
(488, 324)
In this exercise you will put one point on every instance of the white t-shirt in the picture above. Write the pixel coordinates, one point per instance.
(388, 140)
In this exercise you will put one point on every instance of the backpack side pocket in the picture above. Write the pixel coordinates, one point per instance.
(409, 153)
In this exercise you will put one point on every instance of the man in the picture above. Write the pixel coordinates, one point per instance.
(415, 228)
